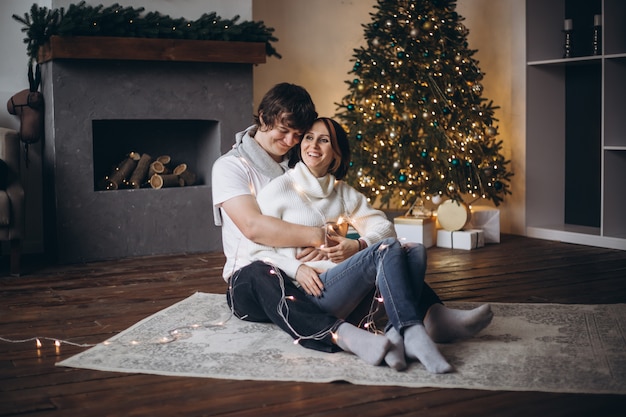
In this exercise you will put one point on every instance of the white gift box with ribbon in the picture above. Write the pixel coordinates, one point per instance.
(415, 229)
(486, 219)
(461, 239)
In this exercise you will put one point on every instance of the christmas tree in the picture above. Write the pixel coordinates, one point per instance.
(419, 126)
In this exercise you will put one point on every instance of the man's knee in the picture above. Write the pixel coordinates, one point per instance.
(415, 250)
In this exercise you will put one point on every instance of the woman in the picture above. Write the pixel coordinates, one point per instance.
(312, 194)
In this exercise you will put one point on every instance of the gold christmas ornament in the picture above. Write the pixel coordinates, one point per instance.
(453, 215)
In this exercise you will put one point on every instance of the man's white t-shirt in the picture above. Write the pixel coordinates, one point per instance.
(233, 176)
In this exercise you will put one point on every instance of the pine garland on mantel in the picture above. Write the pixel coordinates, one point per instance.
(84, 20)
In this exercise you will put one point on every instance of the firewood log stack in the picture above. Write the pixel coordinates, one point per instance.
(142, 171)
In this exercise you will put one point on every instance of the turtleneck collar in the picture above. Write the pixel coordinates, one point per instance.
(313, 186)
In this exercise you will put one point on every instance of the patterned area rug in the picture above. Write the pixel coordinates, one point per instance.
(528, 347)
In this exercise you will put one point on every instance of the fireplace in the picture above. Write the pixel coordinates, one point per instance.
(97, 111)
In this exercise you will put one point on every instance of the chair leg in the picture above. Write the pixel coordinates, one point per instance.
(16, 249)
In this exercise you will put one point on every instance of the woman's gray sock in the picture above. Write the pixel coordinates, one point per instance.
(445, 324)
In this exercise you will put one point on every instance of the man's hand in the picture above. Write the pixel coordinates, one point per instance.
(340, 248)
(310, 254)
(309, 280)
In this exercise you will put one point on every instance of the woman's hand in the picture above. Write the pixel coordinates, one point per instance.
(339, 248)
(309, 280)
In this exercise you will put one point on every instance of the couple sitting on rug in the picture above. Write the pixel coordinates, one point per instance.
(313, 293)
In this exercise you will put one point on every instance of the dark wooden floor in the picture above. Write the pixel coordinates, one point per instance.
(91, 302)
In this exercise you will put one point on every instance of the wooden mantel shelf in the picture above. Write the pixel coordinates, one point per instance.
(150, 49)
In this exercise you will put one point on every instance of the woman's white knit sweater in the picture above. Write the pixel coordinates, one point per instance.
(299, 197)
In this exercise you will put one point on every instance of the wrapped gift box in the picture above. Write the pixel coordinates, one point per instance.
(462, 239)
(486, 219)
(415, 229)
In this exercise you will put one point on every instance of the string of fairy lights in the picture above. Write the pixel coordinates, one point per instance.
(368, 322)
(40, 340)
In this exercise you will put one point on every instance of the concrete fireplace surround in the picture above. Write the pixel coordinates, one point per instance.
(197, 107)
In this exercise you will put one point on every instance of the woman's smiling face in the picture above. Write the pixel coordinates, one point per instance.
(316, 149)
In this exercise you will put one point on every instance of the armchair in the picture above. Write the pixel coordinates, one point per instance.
(12, 208)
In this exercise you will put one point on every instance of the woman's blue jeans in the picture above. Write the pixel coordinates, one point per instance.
(396, 270)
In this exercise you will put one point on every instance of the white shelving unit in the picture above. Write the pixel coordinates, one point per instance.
(576, 124)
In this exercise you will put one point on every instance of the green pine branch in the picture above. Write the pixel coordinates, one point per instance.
(84, 20)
